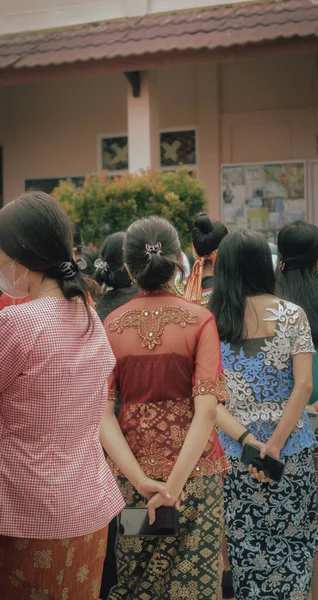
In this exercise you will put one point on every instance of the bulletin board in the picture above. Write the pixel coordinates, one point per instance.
(263, 196)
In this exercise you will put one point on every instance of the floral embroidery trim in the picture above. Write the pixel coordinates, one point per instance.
(216, 388)
(150, 324)
(113, 395)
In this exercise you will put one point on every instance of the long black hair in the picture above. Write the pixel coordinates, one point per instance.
(36, 232)
(207, 235)
(243, 268)
(152, 252)
(296, 274)
(112, 270)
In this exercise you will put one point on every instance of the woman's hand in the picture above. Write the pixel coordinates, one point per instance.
(158, 500)
(250, 439)
(272, 449)
(268, 448)
(313, 407)
(259, 475)
(149, 487)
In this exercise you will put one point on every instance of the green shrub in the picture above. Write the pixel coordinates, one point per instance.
(103, 206)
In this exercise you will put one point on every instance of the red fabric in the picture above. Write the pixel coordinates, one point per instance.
(7, 301)
(193, 288)
(167, 350)
(54, 481)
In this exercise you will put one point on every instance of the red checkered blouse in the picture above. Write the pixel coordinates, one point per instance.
(54, 480)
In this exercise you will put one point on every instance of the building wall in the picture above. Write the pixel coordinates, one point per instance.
(265, 113)
(33, 15)
(50, 129)
(268, 109)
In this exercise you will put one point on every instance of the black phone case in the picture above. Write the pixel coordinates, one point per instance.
(133, 524)
(272, 467)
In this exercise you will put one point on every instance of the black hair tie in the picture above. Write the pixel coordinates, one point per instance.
(65, 270)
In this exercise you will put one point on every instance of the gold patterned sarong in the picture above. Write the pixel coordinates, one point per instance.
(181, 568)
(69, 569)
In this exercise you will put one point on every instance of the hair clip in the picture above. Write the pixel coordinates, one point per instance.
(155, 249)
(81, 263)
(101, 265)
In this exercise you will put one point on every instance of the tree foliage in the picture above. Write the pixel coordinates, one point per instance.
(103, 206)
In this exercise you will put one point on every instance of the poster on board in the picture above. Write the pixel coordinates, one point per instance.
(263, 196)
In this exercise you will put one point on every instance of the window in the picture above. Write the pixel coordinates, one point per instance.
(113, 153)
(178, 147)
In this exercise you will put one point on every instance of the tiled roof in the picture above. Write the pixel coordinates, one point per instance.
(209, 29)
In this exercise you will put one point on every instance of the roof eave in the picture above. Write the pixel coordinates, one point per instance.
(160, 60)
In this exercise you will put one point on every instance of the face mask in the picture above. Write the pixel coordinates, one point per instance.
(12, 286)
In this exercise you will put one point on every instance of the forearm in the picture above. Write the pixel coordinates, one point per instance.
(291, 415)
(229, 424)
(192, 450)
(115, 445)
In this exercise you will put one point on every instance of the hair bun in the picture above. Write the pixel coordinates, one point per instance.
(203, 223)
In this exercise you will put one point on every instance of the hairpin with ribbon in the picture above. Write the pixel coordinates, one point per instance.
(155, 249)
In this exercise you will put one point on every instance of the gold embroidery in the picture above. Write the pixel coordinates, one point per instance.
(96, 588)
(155, 432)
(82, 574)
(150, 324)
(101, 552)
(70, 556)
(43, 559)
(60, 577)
(187, 576)
(216, 388)
(40, 594)
(17, 578)
(88, 537)
(21, 543)
(65, 594)
(113, 395)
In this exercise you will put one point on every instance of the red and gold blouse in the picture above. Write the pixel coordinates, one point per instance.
(167, 352)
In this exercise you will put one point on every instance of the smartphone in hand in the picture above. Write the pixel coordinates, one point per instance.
(134, 521)
(272, 467)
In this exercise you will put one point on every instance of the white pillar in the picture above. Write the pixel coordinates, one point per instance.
(209, 144)
(143, 125)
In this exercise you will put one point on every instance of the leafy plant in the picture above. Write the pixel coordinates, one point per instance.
(103, 206)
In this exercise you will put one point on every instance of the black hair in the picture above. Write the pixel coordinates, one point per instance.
(90, 255)
(243, 268)
(112, 270)
(296, 278)
(36, 232)
(155, 268)
(207, 235)
(78, 243)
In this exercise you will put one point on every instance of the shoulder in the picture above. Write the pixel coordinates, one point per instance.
(290, 310)
(200, 311)
(10, 331)
(284, 311)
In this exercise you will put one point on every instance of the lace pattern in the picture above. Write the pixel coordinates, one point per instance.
(260, 381)
(150, 324)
